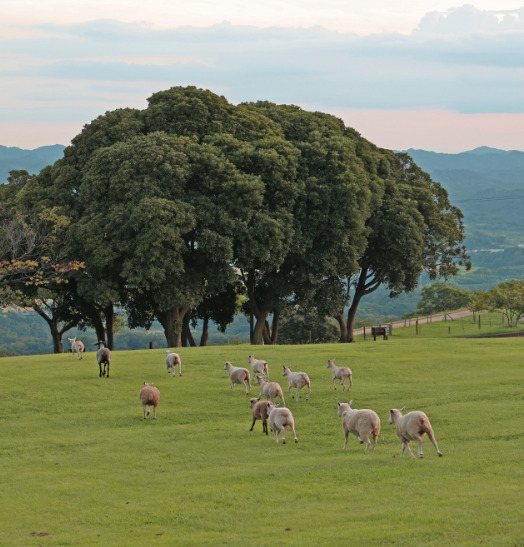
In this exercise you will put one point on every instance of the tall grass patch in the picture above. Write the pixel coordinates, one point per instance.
(80, 465)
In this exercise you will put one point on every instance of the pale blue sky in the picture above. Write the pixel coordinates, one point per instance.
(405, 74)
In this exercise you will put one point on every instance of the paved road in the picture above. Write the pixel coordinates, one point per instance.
(421, 320)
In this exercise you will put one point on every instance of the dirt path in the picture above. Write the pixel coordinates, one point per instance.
(422, 320)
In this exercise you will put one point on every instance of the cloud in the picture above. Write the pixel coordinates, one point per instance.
(468, 19)
(465, 60)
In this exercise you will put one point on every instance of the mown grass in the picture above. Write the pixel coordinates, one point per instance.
(80, 466)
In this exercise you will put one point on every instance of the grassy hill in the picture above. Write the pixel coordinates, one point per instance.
(79, 465)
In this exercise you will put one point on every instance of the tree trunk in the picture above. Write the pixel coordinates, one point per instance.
(187, 335)
(274, 328)
(172, 321)
(110, 332)
(260, 326)
(205, 332)
(342, 325)
(352, 313)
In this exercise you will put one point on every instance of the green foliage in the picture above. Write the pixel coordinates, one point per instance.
(439, 297)
(508, 298)
(81, 466)
(307, 329)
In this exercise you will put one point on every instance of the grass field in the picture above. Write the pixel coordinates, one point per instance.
(80, 466)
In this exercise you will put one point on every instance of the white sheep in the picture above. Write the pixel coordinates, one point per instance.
(260, 412)
(149, 397)
(77, 346)
(270, 390)
(172, 360)
(259, 366)
(103, 357)
(340, 373)
(297, 380)
(279, 419)
(238, 375)
(412, 427)
(361, 423)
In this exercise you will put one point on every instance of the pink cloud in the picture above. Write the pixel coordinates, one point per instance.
(436, 130)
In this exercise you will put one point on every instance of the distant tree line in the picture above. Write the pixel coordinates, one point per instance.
(194, 208)
(506, 298)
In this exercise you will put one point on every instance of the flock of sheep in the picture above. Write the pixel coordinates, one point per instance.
(363, 423)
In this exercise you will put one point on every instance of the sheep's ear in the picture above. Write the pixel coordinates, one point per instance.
(338, 403)
(350, 402)
(402, 409)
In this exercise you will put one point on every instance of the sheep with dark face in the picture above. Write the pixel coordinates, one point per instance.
(103, 357)
(260, 412)
(412, 427)
(149, 397)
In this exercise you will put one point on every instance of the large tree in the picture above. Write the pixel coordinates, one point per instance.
(337, 181)
(414, 229)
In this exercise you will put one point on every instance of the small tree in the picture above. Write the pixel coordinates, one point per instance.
(440, 297)
(508, 298)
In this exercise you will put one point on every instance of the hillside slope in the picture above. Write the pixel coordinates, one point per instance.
(33, 161)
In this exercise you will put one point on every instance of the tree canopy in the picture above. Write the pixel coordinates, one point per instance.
(170, 206)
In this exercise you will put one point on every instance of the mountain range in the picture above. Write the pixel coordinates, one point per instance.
(32, 161)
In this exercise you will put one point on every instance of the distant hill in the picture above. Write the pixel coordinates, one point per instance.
(33, 161)
(487, 184)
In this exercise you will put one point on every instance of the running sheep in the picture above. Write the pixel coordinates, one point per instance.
(270, 390)
(172, 360)
(412, 427)
(260, 412)
(259, 366)
(279, 420)
(340, 373)
(77, 346)
(103, 357)
(361, 423)
(149, 397)
(238, 375)
(297, 380)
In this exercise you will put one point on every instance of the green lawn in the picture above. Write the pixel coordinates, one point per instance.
(80, 466)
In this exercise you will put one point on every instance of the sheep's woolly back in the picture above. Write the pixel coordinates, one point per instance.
(149, 394)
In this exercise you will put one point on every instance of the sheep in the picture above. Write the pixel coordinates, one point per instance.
(103, 357)
(76, 347)
(260, 366)
(412, 427)
(341, 373)
(260, 412)
(362, 423)
(238, 375)
(279, 419)
(172, 360)
(149, 396)
(270, 390)
(298, 380)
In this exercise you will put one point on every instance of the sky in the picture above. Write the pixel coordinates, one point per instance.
(432, 75)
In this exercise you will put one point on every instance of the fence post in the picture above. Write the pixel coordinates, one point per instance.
(416, 326)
